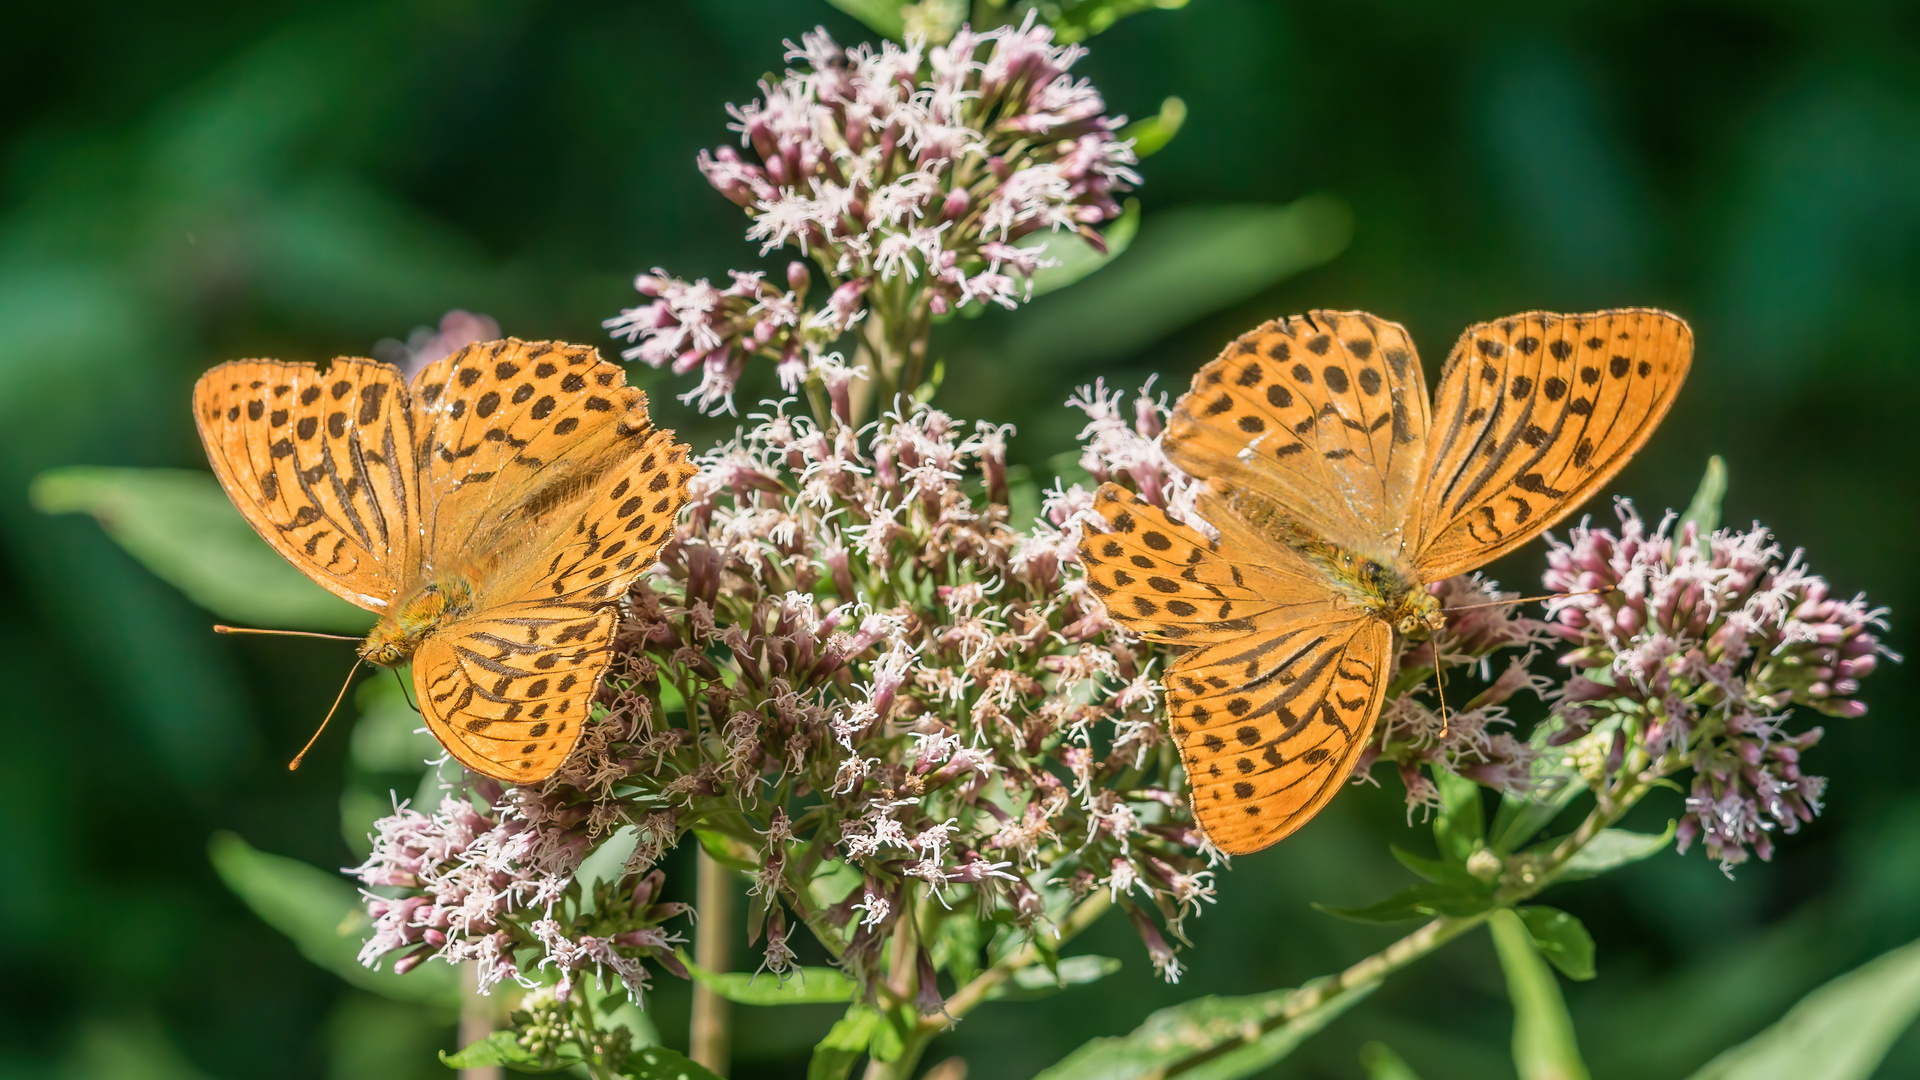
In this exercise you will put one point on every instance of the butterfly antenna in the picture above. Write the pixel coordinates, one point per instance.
(1525, 600)
(1440, 687)
(338, 698)
(222, 629)
(403, 689)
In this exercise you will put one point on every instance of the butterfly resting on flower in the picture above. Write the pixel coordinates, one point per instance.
(1338, 496)
(492, 514)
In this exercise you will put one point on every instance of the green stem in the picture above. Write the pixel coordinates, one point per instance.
(970, 996)
(1526, 879)
(710, 1033)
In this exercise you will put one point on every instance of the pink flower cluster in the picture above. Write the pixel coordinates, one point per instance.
(1697, 647)
(495, 884)
(909, 175)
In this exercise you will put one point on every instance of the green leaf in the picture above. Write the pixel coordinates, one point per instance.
(1038, 982)
(1186, 263)
(1078, 20)
(881, 16)
(497, 1049)
(1076, 257)
(1227, 1029)
(1704, 511)
(1841, 1031)
(1614, 848)
(1437, 871)
(1543, 1044)
(1562, 939)
(1417, 902)
(181, 526)
(889, 1035)
(1152, 134)
(324, 917)
(833, 1056)
(805, 986)
(727, 851)
(660, 1063)
(1382, 1063)
(1460, 826)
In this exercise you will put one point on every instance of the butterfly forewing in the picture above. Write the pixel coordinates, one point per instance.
(1534, 413)
(1323, 414)
(321, 465)
(512, 432)
(1269, 725)
(1167, 582)
(507, 691)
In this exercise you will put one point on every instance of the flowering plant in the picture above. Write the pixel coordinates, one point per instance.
(884, 704)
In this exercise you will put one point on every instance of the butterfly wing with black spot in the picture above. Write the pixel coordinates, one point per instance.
(321, 464)
(1270, 724)
(1272, 706)
(1323, 415)
(509, 431)
(507, 691)
(1534, 413)
(1165, 581)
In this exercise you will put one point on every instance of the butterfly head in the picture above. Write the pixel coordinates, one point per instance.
(1420, 610)
(441, 601)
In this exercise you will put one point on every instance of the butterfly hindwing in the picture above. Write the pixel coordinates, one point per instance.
(1534, 413)
(321, 464)
(508, 691)
(1323, 414)
(1269, 725)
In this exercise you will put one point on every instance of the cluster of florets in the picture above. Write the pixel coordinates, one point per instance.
(1696, 648)
(910, 175)
(490, 877)
(1452, 715)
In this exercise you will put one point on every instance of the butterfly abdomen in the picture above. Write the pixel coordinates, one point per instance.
(445, 599)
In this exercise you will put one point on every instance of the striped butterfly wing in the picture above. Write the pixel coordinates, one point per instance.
(321, 464)
(1534, 413)
(1270, 725)
(1323, 415)
(1273, 705)
(507, 691)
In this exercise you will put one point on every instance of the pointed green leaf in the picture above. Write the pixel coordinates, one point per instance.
(1186, 263)
(880, 16)
(1704, 511)
(1076, 257)
(1544, 1047)
(1038, 982)
(324, 917)
(660, 1063)
(1382, 1063)
(1230, 1034)
(833, 1056)
(1614, 848)
(1152, 134)
(1841, 1031)
(1078, 20)
(181, 526)
(1436, 871)
(803, 986)
(1460, 826)
(497, 1049)
(1562, 939)
(1417, 902)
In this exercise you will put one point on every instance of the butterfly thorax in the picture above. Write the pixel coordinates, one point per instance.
(445, 599)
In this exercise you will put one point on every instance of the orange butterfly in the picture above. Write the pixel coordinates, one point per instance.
(491, 514)
(1338, 499)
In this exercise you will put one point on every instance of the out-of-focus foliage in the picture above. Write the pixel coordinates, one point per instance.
(186, 185)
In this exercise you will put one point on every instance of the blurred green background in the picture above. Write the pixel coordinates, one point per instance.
(189, 183)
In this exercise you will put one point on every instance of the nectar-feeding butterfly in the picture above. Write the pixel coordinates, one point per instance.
(491, 514)
(1339, 495)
